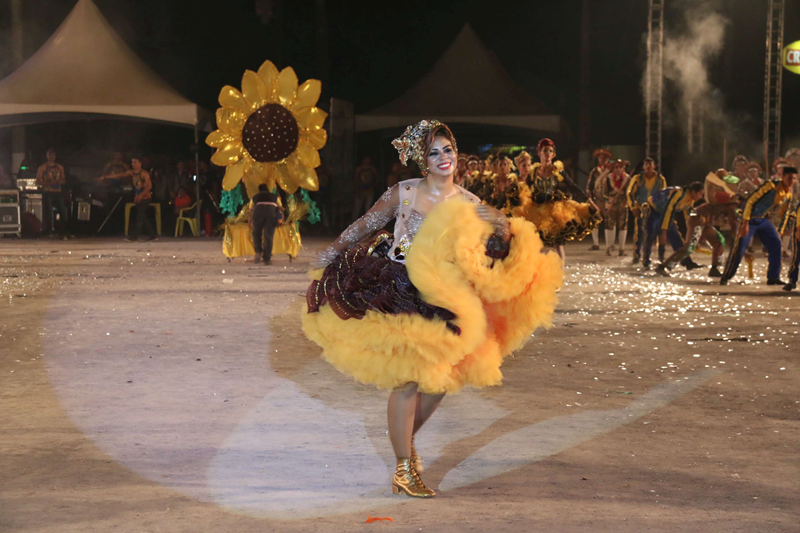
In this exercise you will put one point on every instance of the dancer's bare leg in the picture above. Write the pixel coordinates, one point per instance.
(561, 254)
(426, 405)
(401, 412)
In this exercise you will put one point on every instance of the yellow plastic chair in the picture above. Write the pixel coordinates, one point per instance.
(194, 222)
(154, 205)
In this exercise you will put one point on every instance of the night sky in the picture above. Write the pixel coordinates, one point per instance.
(378, 49)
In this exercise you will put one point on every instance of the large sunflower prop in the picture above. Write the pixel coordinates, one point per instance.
(270, 131)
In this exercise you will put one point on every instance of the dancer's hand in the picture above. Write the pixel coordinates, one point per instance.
(497, 219)
(662, 239)
(324, 258)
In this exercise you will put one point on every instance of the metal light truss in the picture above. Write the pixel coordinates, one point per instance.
(654, 79)
(773, 76)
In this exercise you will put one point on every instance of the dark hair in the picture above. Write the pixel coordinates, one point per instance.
(263, 187)
(545, 142)
(789, 170)
(439, 131)
(137, 156)
(646, 159)
(695, 186)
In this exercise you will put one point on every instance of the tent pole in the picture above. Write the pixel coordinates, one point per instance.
(197, 170)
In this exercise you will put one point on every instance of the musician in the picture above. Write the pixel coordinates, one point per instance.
(51, 177)
(142, 187)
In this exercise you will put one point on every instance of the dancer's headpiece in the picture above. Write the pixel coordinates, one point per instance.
(780, 162)
(545, 142)
(412, 143)
(523, 155)
(601, 152)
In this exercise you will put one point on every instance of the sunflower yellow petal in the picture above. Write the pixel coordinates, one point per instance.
(218, 138)
(251, 183)
(307, 155)
(288, 86)
(315, 138)
(254, 90)
(268, 73)
(310, 118)
(231, 121)
(228, 154)
(305, 177)
(308, 94)
(255, 169)
(233, 175)
(285, 180)
(231, 97)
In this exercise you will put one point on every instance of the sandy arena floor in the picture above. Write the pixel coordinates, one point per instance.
(159, 388)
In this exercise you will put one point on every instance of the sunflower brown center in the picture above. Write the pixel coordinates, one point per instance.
(270, 134)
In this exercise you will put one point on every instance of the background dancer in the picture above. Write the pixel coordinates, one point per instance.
(263, 221)
(640, 189)
(558, 208)
(614, 187)
(593, 190)
(774, 194)
(794, 266)
(664, 205)
(698, 229)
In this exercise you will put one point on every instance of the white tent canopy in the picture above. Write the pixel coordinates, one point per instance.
(466, 85)
(85, 69)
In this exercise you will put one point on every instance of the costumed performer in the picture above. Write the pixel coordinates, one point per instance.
(640, 189)
(558, 208)
(596, 176)
(505, 193)
(794, 266)
(773, 195)
(434, 307)
(775, 216)
(270, 133)
(751, 181)
(264, 217)
(461, 170)
(660, 225)
(614, 187)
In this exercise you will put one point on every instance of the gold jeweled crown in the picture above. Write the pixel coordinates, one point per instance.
(411, 144)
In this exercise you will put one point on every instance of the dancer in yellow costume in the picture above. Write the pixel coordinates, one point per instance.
(269, 132)
(238, 238)
(558, 208)
(434, 307)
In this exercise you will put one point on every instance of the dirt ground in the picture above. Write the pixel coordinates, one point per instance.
(158, 388)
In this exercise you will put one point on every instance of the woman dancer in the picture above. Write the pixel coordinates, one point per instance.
(437, 305)
(614, 187)
(523, 162)
(554, 203)
(505, 194)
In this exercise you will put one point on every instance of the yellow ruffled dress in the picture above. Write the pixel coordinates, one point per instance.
(548, 203)
(497, 304)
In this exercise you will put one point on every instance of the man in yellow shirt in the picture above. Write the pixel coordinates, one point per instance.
(640, 189)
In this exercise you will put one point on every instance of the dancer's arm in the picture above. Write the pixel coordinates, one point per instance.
(669, 212)
(384, 210)
(632, 186)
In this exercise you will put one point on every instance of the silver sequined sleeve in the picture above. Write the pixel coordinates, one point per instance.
(497, 219)
(383, 212)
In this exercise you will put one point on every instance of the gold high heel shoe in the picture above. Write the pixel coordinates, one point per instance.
(407, 481)
(416, 460)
